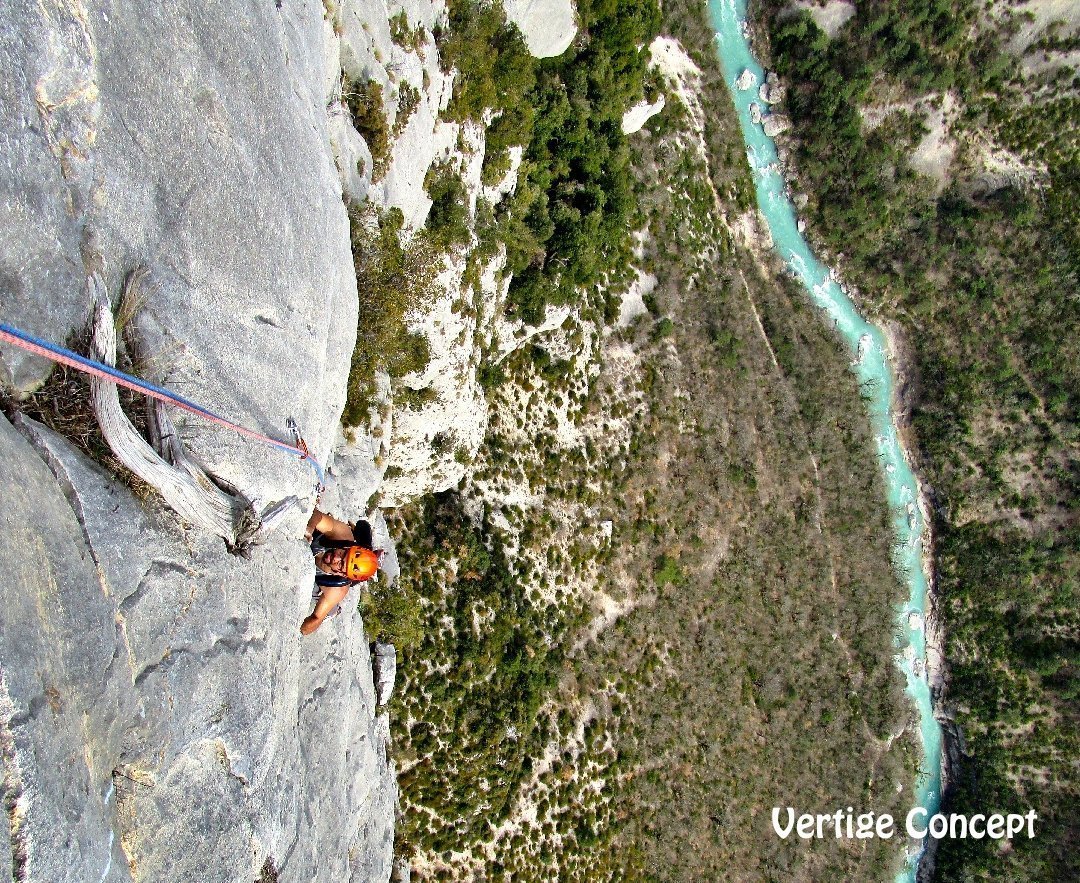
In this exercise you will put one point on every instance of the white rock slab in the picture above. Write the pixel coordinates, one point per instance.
(638, 115)
(548, 26)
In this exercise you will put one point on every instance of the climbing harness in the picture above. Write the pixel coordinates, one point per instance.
(39, 347)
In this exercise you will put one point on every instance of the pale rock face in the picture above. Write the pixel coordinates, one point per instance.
(633, 303)
(385, 667)
(49, 119)
(514, 335)
(368, 53)
(232, 200)
(829, 16)
(548, 26)
(638, 115)
(456, 419)
(128, 644)
(432, 445)
(506, 186)
(183, 665)
(355, 471)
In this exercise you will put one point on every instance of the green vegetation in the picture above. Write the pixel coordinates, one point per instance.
(365, 103)
(474, 724)
(567, 224)
(448, 221)
(405, 36)
(408, 101)
(392, 613)
(494, 67)
(982, 278)
(744, 658)
(758, 644)
(394, 283)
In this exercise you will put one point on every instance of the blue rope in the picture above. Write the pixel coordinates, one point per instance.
(61, 354)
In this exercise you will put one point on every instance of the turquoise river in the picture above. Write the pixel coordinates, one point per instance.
(870, 361)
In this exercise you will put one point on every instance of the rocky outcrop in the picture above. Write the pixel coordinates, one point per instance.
(771, 91)
(745, 80)
(427, 444)
(547, 25)
(830, 16)
(384, 665)
(774, 124)
(638, 115)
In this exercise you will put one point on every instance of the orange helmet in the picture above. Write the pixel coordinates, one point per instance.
(360, 563)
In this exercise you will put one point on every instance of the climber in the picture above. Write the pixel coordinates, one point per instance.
(343, 557)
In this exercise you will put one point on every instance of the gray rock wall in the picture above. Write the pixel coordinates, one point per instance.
(159, 704)
(160, 716)
(48, 121)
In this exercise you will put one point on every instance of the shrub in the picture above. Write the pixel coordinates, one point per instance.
(405, 36)
(391, 613)
(666, 570)
(365, 103)
(496, 165)
(448, 220)
(494, 66)
(664, 328)
(490, 376)
(394, 283)
(415, 399)
(408, 101)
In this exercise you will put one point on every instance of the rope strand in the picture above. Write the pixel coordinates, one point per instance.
(56, 353)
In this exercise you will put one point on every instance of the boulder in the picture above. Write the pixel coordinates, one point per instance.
(746, 80)
(548, 26)
(771, 92)
(755, 113)
(775, 123)
(384, 665)
(638, 115)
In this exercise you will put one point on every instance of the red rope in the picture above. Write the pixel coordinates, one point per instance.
(38, 347)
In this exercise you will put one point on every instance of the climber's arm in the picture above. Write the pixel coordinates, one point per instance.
(329, 527)
(330, 598)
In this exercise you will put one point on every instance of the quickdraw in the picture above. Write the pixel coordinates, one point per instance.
(56, 353)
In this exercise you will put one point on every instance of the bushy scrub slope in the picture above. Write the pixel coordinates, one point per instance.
(661, 602)
(981, 273)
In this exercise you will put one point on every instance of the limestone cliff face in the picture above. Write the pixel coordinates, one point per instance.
(547, 25)
(427, 448)
(160, 716)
